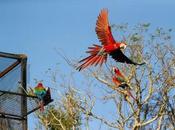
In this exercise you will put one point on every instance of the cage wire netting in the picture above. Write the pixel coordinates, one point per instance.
(15, 103)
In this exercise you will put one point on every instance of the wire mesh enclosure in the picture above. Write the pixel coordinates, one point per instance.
(15, 103)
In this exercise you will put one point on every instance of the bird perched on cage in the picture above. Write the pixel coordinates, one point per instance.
(121, 82)
(98, 54)
(40, 91)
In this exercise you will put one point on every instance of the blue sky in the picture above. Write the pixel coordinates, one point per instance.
(36, 27)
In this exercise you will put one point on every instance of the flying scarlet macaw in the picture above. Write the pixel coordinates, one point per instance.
(121, 81)
(98, 54)
(40, 92)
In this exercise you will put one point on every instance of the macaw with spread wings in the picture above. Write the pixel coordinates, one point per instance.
(98, 54)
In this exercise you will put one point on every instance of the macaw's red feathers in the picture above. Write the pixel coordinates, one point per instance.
(118, 56)
(103, 29)
(39, 87)
(116, 81)
(118, 73)
(97, 57)
(98, 54)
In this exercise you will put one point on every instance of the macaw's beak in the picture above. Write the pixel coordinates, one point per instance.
(122, 48)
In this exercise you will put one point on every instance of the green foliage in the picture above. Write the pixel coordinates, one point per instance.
(63, 116)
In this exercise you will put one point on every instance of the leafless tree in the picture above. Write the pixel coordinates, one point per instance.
(153, 85)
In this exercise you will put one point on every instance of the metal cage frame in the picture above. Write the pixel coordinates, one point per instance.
(22, 60)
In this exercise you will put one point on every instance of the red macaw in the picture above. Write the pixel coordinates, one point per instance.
(98, 54)
(40, 92)
(120, 81)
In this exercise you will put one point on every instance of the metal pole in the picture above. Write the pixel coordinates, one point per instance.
(24, 98)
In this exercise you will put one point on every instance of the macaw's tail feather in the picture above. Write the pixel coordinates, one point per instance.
(94, 49)
(126, 87)
(41, 106)
(97, 57)
(116, 81)
(141, 63)
(130, 94)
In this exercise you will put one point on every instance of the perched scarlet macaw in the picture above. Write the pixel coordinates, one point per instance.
(40, 92)
(98, 54)
(120, 81)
